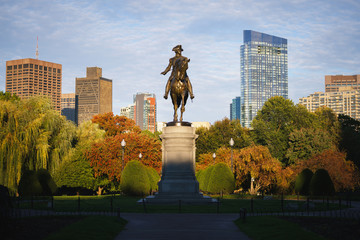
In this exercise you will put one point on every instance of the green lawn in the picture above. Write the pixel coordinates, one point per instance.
(129, 204)
(94, 227)
(273, 228)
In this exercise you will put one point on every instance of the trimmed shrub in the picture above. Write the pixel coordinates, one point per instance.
(321, 184)
(46, 181)
(205, 178)
(199, 175)
(29, 184)
(154, 178)
(221, 179)
(302, 182)
(135, 179)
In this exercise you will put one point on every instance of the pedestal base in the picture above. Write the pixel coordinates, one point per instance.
(178, 181)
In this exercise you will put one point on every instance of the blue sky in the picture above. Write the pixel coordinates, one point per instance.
(132, 40)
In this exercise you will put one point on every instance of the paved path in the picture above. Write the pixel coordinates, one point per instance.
(180, 226)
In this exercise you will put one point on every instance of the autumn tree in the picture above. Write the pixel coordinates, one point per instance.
(32, 136)
(256, 162)
(106, 156)
(343, 173)
(114, 124)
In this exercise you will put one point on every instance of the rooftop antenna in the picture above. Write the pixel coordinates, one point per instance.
(37, 48)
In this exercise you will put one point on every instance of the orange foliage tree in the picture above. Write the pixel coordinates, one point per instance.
(115, 124)
(256, 161)
(223, 154)
(343, 173)
(106, 157)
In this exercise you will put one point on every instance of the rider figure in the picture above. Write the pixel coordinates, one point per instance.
(178, 49)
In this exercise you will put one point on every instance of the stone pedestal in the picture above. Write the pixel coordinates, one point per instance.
(178, 181)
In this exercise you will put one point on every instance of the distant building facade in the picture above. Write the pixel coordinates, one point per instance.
(94, 94)
(264, 72)
(334, 82)
(142, 111)
(235, 109)
(69, 106)
(346, 100)
(196, 125)
(28, 77)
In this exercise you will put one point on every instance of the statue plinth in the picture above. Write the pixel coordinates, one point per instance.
(178, 181)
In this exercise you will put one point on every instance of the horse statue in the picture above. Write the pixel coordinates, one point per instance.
(179, 90)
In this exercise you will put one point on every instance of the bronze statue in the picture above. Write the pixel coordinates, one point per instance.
(178, 83)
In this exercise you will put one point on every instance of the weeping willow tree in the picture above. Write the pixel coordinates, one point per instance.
(32, 136)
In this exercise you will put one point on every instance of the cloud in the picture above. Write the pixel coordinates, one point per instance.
(132, 42)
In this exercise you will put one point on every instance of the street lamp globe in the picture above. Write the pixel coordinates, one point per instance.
(140, 156)
(123, 143)
(231, 142)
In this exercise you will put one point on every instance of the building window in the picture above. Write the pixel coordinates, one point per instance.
(20, 66)
(9, 68)
(26, 65)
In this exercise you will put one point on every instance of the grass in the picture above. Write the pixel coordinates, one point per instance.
(94, 227)
(228, 204)
(273, 228)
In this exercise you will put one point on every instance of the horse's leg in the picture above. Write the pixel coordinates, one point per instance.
(182, 106)
(173, 98)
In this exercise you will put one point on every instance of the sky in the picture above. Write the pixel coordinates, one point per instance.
(132, 41)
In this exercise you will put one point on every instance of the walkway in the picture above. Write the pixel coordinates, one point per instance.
(181, 226)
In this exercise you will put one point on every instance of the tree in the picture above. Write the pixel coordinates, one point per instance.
(219, 135)
(32, 136)
(257, 163)
(350, 138)
(274, 123)
(114, 125)
(321, 184)
(306, 142)
(328, 121)
(75, 171)
(302, 182)
(106, 156)
(343, 173)
(221, 179)
(135, 179)
(8, 96)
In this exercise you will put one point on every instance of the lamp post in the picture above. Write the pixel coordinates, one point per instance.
(214, 156)
(231, 145)
(140, 156)
(123, 144)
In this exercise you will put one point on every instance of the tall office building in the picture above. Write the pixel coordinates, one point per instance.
(334, 82)
(235, 109)
(264, 72)
(94, 94)
(28, 77)
(142, 111)
(344, 101)
(69, 106)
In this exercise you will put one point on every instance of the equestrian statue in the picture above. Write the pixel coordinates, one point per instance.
(178, 84)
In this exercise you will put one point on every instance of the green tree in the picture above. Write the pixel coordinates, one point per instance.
(302, 182)
(306, 142)
(350, 138)
(274, 123)
(135, 179)
(321, 183)
(32, 136)
(219, 135)
(8, 96)
(221, 179)
(75, 170)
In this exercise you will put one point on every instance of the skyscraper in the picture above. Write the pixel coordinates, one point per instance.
(28, 77)
(69, 106)
(94, 94)
(235, 109)
(264, 72)
(142, 111)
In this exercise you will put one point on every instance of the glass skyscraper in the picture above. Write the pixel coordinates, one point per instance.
(264, 72)
(235, 109)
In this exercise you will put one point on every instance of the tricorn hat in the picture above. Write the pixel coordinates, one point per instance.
(178, 47)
